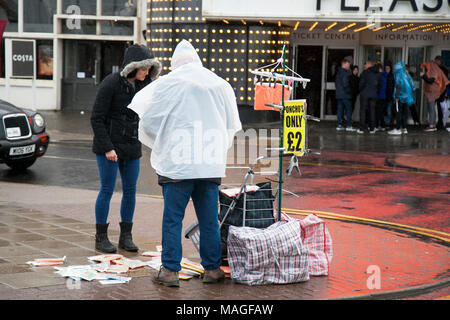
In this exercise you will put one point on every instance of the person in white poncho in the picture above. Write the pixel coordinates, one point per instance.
(188, 118)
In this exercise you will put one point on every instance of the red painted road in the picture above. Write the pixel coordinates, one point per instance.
(391, 187)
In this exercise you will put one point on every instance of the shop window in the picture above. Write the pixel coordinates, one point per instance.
(9, 12)
(84, 7)
(123, 8)
(446, 58)
(118, 28)
(372, 53)
(44, 54)
(2, 58)
(38, 16)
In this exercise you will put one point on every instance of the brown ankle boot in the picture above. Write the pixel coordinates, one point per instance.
(167, 278)
(213, 276)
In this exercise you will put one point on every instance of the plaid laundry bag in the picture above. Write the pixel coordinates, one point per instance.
(317, 240)
(274, 255)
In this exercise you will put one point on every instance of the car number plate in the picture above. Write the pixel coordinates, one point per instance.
(17, 151)
(13, 132)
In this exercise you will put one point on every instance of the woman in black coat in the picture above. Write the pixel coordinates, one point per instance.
(116, 142)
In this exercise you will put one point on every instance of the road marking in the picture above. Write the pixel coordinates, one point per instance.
(65, 158)
(374, 168)
(329, 215)
(335, 216)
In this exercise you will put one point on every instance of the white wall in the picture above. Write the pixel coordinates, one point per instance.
(330, 9)
(21, 94)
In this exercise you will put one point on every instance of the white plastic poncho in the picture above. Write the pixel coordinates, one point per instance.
(188, 118)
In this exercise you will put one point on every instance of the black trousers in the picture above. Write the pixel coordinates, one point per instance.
(380, 109)
(367, 106)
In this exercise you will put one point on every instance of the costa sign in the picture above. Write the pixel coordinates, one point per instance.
(23, 58)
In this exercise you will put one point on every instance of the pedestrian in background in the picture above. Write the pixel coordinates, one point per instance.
(354, 85)
(189, 104)
(445, 107)
(344, 96)
(381, 102)
(413, 108)
(435, 82)
(116, 142)
(369, 85)
(404, 97)
(441, 99)
(390, 84)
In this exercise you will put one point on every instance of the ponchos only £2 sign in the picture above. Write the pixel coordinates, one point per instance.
(294, 133)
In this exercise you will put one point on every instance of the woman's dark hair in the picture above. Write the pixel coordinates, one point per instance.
(132, 74)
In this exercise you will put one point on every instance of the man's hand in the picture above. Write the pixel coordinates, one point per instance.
(421, 74)
(111, 155)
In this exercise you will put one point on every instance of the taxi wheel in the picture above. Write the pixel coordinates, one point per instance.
(20, 165)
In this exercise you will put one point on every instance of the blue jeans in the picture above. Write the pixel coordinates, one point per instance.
(205, 196)
(129, 172)
(347, 103)
(389, 111)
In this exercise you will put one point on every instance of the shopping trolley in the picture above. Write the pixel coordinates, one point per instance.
(250, 205)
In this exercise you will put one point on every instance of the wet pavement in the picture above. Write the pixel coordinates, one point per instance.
(385, 201)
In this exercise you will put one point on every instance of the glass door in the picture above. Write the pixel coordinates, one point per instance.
(392, 55)
(333, 61)
(416, 56)
(309, 65)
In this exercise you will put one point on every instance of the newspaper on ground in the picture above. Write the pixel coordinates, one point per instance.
(132, 264)
(151, 254)
(105, 257)
(46, 262)
(84, 272)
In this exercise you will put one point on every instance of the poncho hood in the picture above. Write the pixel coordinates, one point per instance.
(434, 90)
(184, 54)
(139, 56)
(406, 83)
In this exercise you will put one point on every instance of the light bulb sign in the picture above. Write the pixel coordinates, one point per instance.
(23, 58)
(294, 129)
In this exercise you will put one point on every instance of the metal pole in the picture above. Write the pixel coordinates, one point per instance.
(280, 175)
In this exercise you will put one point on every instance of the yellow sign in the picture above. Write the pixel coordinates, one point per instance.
(294, 133)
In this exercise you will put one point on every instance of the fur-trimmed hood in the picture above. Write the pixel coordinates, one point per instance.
(138, 56)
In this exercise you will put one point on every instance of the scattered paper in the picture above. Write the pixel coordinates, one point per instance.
(184, 276)
(117, 268)
(101, 267)
(159, 248)
(151, 254)
(45, 262)
(132, 264)
(106, 257)
(80, 273)
(190, 265)
(155, 264)
(226, 270)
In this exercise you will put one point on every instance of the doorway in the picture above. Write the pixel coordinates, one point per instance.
(333, 62)
(309, 65)
(86, 63)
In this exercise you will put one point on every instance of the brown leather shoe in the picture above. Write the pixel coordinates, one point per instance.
(167, 278)
(213, 276)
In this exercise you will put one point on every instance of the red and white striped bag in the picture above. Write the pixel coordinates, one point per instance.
(317, 239)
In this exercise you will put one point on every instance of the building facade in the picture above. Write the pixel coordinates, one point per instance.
(76, 44)
(232, 37)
